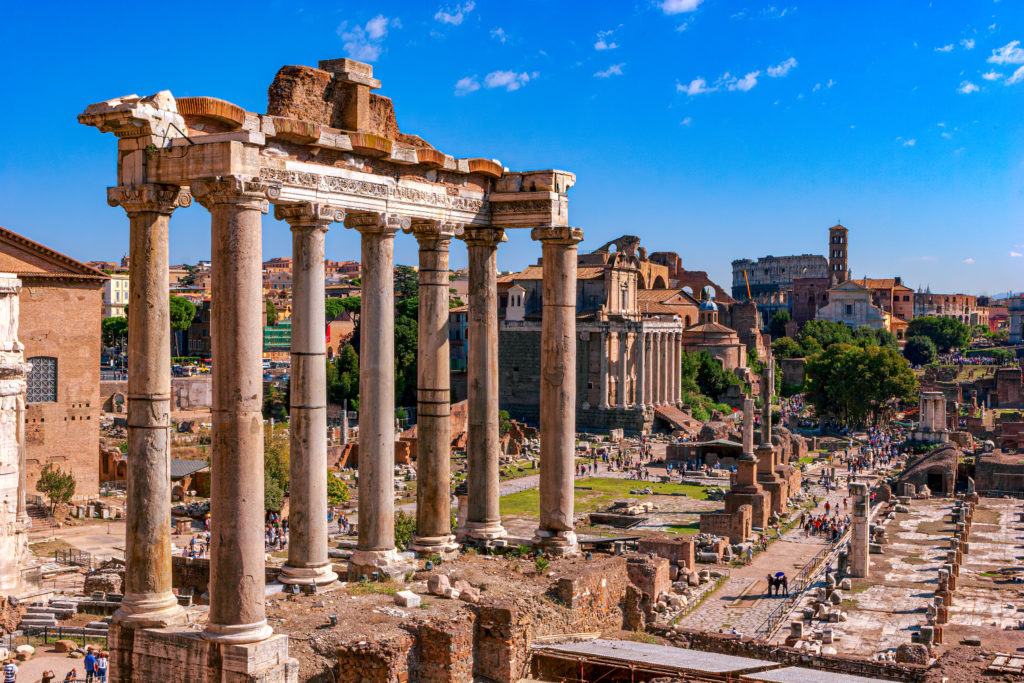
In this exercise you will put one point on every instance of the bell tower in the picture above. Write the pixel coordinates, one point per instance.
(837, 245)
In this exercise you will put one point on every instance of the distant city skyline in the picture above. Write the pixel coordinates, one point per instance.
(716, 130)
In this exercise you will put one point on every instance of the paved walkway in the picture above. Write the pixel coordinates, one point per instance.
(742, 603)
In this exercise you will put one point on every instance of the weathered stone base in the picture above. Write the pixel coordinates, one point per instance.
(385, 563)
(557, 543)
(926, 436)
(308, 576)
(445, 546)
(482, 531)
(177, 654)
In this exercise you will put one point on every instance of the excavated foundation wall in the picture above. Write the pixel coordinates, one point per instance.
(492, 640)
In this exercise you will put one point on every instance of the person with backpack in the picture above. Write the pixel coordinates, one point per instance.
(10, 671)
(101, 667)
(90, 666)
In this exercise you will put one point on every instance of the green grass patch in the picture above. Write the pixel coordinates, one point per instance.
(806, 460)
(691, 528)
(595, 493)
(372, 588)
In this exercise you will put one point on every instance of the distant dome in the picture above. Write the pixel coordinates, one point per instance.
(708, 305)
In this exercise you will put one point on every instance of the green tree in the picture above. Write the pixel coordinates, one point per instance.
(785, 347)
(343, 377)
(57, 485)
(183, 312)
(407, 282)
(271, 313)
(276, 461)
(352, 304)
(886, 339)
(333, 308)
(114, 331)
(405, 529)
(504, 422)
(854, 383)
(777, 324)
(824, 333)
(337, 490)
(947, 333)
(712, 379)
(920, 350)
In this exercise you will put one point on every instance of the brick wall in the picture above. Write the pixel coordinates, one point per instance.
(678, 551)
(737, 526)
(595, 596)
(61, 319)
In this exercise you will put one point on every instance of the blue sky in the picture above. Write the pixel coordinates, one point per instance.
(715, 129)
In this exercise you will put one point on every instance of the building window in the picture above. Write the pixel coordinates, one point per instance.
(849, 309)
(42, 380)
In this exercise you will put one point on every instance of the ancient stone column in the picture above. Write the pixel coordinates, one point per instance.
(23, 517)
(649, 370)
(375, 550)
(148, 600)
(664, 383)
(657, 369)
(558, 389)
(483, 438)
(237, 568)
(677, 367)
(623, 374)
(767, 387)
(433, 392)
(860, 560)
(308, 562)
(640, 352)
(13, 373)
(605, 351)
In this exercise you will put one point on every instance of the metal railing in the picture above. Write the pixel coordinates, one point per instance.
(74, 557)
(803, 580)
(48, 634)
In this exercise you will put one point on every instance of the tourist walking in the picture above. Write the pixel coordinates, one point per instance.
(10, 671)
(90, 665)
(101, 667)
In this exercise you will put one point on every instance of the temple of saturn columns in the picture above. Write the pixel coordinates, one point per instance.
(327, 151)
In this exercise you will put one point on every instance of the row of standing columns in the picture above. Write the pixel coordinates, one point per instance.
(656, 364)
(236, 205)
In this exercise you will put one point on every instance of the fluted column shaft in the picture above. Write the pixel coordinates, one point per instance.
(483, 437)
(659, 372)
(433, 392)
(237, 567)
(308, 562)
(375, 549)
(677, 369)
(148, 598)
(558, 389)
(648, 369)
(605, 352)
(641, 368)
(623, 376)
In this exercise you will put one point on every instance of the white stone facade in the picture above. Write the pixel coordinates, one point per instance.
(13, 370)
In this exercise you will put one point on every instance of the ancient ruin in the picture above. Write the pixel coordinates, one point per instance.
(328, 150)
(13, 369)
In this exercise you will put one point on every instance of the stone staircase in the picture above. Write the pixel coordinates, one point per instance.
(677, 419)
(40, 615)
(40, 516)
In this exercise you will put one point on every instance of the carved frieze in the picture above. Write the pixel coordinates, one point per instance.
(307, 213)
(366, 221)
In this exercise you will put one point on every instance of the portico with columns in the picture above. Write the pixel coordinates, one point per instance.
(349, 168)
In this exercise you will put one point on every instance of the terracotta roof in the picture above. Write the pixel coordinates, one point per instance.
(53, 263)
(877, 283)
(536, 273)
(658, 295)
(657, 307)
(711, 329)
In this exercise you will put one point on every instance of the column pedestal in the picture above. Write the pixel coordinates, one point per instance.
(555, 534)
(148, 597)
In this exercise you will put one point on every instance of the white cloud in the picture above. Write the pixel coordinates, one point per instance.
(613, 70)
(499, 34)
(604, 42)
(696, 87)
(946, 134)
(966, 88)
(742, 84)
(968, 260)
(909, 143)
(687, 121)
(945, 48)
(679, 6)
(992, 76)
(454, 15)
(509, 80)
(830, 83)
(968, 43)
(466, 85)
(816, 88)
(1008, 54)
(1016, 254)
(365, 42)
(1017, 76)
(781, 69)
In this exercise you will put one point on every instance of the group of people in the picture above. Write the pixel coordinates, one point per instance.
(275, 532)
(94, 664)
(198, 546)
(778, 585)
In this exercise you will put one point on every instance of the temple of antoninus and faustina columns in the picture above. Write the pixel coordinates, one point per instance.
(327, 151)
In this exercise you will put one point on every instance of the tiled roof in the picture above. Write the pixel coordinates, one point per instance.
(536, 273)
(182, 468)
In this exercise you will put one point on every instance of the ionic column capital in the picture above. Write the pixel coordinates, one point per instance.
(435, 233)
(483, 237)
(149, 198)
(368, 222)
(557, 235)
(308, 215)
(246, 192)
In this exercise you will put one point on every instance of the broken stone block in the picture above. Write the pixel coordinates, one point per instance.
(828, 650)
(407, 599)
(925, 635)
(846, 584)
(470, 595)
(438, 584)
(450, 593)
(836, 597)
(796, 629)
(912, 653)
